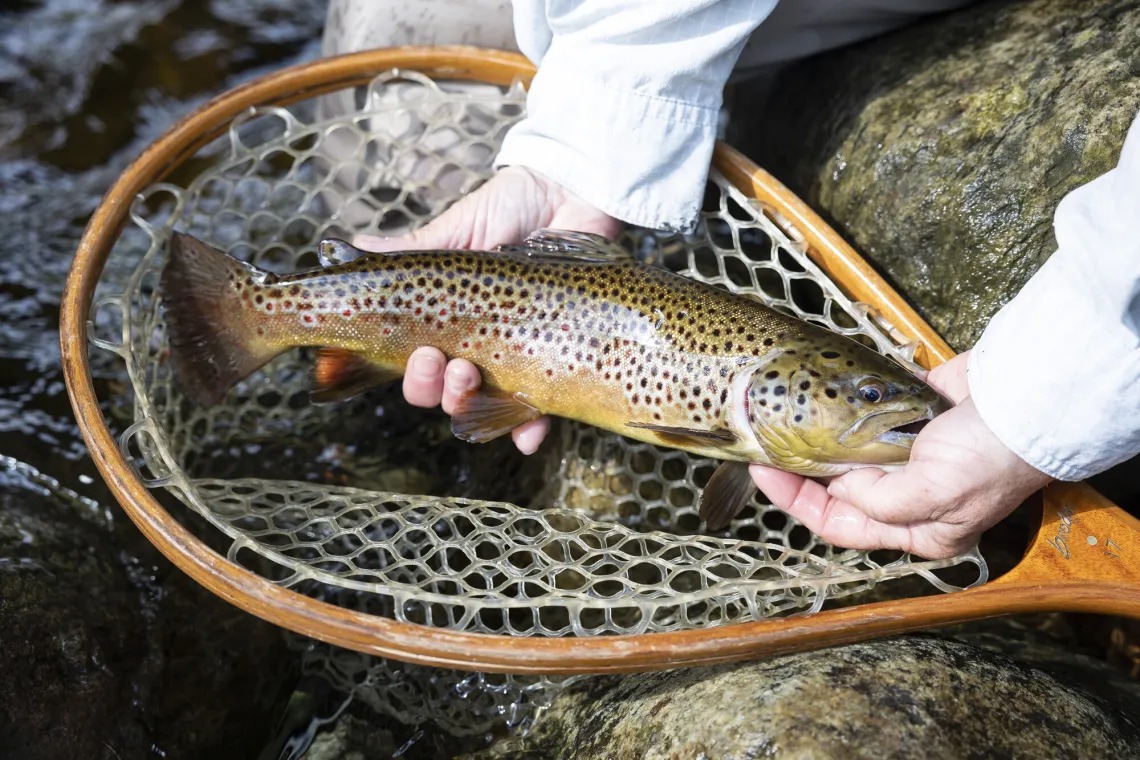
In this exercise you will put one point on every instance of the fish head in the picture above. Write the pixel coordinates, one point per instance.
(825, 408)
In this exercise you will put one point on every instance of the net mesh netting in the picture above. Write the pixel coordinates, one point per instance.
(608, 543)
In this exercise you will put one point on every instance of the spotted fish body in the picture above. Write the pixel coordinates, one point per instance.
(567, 325)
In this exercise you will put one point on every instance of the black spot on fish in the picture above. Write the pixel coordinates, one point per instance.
(772, 375)
(830, 354)
(801, 400)
(799, 418)
(779, 390)
(805, 385)
(831, 393)
(777, 407)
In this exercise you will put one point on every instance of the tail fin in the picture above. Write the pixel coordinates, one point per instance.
(212, 344)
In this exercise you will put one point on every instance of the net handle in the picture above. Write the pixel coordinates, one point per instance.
(1037, 586)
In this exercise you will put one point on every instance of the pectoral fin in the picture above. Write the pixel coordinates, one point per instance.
(484, 415)
(728, 491)
(340, 374)
(679, 436)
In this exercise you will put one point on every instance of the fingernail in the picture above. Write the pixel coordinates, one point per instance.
(838, 490)
(457, 380)
(426, 365)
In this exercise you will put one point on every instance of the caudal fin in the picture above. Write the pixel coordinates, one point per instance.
(213, 344)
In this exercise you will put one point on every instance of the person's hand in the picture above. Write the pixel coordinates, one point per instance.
(960, 481)
(510, 206)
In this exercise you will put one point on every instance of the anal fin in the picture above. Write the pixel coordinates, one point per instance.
(679, 436)
(484, 415)
(340, 374)
(727, 493)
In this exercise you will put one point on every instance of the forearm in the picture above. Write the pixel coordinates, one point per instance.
(1056, 375)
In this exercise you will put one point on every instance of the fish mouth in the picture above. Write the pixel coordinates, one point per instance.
(904, 434)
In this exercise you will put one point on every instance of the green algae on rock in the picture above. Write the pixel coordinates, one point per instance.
(914, 696)
(940, 151)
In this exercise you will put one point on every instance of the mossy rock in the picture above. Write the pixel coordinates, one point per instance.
(941, 151)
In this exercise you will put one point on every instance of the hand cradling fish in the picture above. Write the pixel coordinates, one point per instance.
(567, 324)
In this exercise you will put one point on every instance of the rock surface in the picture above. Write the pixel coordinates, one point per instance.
(941, 151)
(100, 658)
(915, 696)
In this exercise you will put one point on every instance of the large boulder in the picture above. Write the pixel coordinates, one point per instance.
(940, 151)
(913, 696)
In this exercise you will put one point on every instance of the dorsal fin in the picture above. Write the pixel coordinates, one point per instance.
(568, 245)
(331, 252)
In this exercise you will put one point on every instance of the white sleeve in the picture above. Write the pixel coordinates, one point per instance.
(1056, 374)
(624, 108)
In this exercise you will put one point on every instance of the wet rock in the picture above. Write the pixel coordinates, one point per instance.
(915, 696)
(71, 636)
(105, 655)
(941, 151)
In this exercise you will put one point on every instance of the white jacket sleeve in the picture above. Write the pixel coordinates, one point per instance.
(1056, 374)
(624, 108)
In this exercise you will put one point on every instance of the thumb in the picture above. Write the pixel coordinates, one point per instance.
(949, 378)
(437, 234)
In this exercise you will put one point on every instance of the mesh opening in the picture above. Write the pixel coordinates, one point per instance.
(614, 545)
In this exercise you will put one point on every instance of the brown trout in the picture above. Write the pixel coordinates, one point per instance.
(566, 324)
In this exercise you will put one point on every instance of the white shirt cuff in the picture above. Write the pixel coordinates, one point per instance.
(639, 158)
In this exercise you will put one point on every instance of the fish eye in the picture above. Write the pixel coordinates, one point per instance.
(872, 392)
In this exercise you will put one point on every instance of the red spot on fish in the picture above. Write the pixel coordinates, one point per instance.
(387, 330)
(466, 344)
(549, 372)
(565, 328)
(269, 307)
(443, 312)
(288, 304)
(309, 318)
(347, 313)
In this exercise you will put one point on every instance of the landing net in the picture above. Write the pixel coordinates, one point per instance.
(599, 537)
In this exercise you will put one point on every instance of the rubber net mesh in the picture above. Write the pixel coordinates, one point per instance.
(601, 537)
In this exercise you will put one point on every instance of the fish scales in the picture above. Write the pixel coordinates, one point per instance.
(583, 331)
(604, 343)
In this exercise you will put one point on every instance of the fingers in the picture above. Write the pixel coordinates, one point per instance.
(423, 378)
(430, 380)
(461, 376)
(833, 520)
(529, 437)
(895, 497)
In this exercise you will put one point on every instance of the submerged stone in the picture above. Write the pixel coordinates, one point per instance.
(913, 696)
